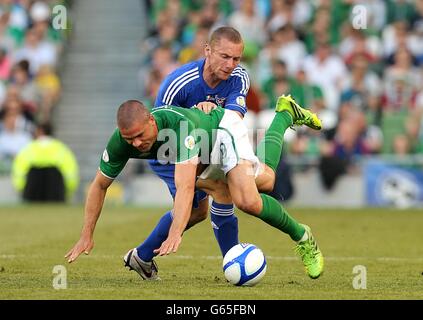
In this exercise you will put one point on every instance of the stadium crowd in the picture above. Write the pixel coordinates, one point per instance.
(30, 51)
(358, 64)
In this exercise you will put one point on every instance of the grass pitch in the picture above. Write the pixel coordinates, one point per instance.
(34, 239)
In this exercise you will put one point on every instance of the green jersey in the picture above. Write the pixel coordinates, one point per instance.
(181, 131)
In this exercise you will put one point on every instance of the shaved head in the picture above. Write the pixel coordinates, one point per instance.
(228, 33)
(131, 112)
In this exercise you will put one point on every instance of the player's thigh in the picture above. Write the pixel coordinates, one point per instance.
(217, 189)
(243, 189)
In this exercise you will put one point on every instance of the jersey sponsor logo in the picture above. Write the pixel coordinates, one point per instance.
(216, 99)
(241, 101)
(105, 156)
(190, 142)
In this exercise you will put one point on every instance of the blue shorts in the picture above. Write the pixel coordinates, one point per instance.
(167, 174)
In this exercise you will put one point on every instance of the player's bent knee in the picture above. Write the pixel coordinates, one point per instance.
(250, 206)
(268, 185)
(266, 181)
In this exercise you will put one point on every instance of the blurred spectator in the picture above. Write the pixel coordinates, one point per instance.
(244, 19)
(211, 15)
(307, 95)
(411, 135)
(154, 80)
(166, 36)
(161, 64)
(37, 51)
(190, 28)
(46, 169)
(290, 49)
(401, 145)
(355, 43)
(265, 61)
(195, 50)
(328, 71)
(401, 81)
(40, 14)
(270, 87)
(10, 37)
(12, 137)
(49, 87)
(24, 118)
(350, 141)
(295, 12)
(395, 36)
(319, 30)
(28, 90)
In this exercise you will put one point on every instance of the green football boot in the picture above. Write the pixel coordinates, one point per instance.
(299, 115)
(311, 255)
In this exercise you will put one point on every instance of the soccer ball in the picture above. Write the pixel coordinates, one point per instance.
(244, 265)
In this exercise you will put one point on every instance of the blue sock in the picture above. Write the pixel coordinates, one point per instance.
(225, 225)
(155, 239)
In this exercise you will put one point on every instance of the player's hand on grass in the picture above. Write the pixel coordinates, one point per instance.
(84, 245)
(171, 244)
(206, 106)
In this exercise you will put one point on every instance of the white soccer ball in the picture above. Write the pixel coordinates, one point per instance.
(244, 265)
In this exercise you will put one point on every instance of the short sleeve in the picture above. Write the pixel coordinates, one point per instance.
(114, 157)
(237, 97)
(187, 142)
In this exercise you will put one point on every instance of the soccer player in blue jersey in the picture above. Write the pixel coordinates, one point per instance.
(217, 80)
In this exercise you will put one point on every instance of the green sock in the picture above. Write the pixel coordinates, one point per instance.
(274, 214)
(270, 148)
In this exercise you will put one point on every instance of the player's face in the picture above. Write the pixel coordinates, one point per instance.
(141, 135)
(224, 56)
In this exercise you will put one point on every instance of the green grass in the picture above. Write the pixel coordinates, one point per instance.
(33, 239)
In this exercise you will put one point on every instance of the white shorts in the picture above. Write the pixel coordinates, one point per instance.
(231, 146)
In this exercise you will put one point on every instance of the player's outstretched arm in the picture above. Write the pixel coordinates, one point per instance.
(185, 174)
(93, 206)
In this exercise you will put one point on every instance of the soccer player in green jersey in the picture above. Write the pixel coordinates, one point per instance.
(207, 146)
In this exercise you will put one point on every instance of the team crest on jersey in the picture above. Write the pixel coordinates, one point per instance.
(105, 156)
(241, 101)
(219, 101)
(190, 142)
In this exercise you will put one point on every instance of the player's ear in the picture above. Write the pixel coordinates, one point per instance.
(152, 121)
(207, 50)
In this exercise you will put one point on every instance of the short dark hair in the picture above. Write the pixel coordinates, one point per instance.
(227, 33)
(131, 111)
(45, 127)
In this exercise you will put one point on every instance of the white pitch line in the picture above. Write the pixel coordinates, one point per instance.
(190, 257)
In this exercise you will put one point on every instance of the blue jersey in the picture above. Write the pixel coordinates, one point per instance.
(185, 87)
